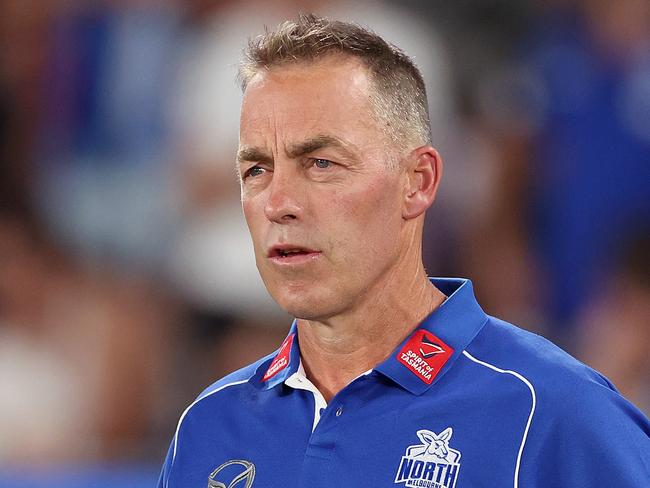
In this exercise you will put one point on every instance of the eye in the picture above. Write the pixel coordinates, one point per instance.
(322, 163)
(254, 171)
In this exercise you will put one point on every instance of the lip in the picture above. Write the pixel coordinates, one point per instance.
(276, 254)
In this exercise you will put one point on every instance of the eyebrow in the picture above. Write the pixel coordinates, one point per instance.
(313, 144)
(248, 153)
(255, 154)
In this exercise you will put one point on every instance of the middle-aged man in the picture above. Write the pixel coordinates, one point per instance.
(387, 378)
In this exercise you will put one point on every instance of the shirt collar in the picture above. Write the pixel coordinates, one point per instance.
(282, 365)
(451, 326)
(455, 323)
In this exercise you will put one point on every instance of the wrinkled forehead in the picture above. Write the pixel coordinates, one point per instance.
(299, 100)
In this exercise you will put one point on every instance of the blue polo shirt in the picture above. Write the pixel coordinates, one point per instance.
(466, 400)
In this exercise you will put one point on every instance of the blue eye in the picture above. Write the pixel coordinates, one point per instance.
(322, 163)
(254, 171)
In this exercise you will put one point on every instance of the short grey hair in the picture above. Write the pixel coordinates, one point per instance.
(399, 99)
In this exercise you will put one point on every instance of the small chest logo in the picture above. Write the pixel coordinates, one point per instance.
(425, 355)
(432, 464)
(236, 473)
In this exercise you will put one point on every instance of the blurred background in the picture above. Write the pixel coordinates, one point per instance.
(127, 280)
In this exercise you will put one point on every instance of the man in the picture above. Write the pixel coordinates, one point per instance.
(386, 378)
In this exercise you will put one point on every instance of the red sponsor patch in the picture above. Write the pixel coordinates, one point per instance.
(425, 355)
(281, 359)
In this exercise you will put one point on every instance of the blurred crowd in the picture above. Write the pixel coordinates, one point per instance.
(127, 279)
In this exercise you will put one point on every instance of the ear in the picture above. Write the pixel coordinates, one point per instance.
(424, 170)
(445, 435)
(426, 436)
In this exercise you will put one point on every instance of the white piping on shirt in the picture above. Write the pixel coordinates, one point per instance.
(532, 409)
(180, 421)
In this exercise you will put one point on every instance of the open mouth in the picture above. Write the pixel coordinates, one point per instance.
(291, 253)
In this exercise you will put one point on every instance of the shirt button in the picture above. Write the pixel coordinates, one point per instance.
(339, 411)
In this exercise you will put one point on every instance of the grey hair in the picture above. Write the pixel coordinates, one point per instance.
(399, 97)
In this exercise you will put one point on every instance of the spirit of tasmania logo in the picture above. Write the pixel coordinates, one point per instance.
(425, 355)
(432, 464)
(281, 359)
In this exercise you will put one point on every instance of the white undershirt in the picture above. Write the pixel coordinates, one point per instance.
(299, 381)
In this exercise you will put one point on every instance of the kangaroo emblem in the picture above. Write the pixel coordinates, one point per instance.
(434, 447)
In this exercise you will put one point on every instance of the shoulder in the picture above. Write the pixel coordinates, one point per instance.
(561, 391)
(231, 383)
(549, 370)
(573, 412)
(225, 391)
(560, 384)
(222, 394)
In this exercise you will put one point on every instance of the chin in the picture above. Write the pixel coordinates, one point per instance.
(308, 305)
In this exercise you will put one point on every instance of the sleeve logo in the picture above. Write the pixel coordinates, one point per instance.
(432, 464)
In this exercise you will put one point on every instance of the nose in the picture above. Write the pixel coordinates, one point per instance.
(284, 202)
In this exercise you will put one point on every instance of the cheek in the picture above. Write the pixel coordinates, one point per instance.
(249, 216)
(368, 221)
(255, 221)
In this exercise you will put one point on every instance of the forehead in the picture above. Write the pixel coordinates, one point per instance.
(330, 96)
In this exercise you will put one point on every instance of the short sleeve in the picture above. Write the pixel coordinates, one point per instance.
(591, 436)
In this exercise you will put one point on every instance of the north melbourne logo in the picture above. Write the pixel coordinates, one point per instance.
(432, 464)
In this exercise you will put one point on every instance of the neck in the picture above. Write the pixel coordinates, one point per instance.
(337, 350)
